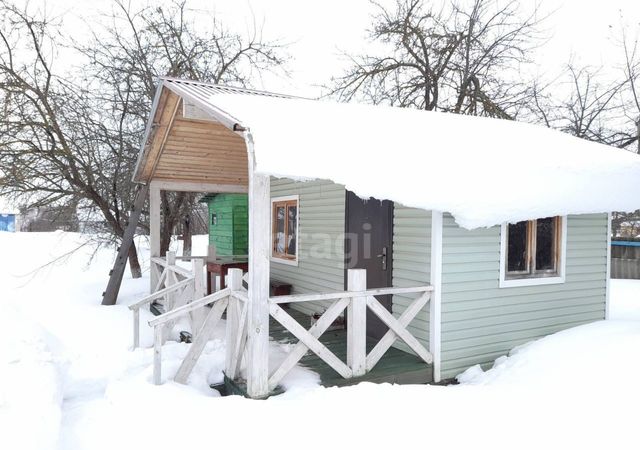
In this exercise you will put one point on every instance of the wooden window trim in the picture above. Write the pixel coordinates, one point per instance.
(531, 270)
(286, 203)
(533, 276)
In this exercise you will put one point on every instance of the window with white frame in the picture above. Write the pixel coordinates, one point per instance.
(284, 228)
(532, 251)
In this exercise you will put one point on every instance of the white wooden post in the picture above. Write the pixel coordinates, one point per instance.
(235, 284)
(136, 328)
(212, 280)
(435, 308)
(169, 299)
(171, 280)
(154, 229)
(211, 252)
(199, 291)
(157, 353)
(357, 323)
(258, 295)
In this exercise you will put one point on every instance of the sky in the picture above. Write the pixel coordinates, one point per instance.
(318, 31)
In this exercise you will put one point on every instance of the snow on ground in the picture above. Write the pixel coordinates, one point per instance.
(68, 379)
(626, 295)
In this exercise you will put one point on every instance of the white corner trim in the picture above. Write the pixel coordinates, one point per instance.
(504, 283)
(607, 302)
(435, 306)
(275, 259)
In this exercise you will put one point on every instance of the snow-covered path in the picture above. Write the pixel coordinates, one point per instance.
(68, 380)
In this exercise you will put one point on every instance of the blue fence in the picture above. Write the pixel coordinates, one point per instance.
(7, 222)
(625, 259)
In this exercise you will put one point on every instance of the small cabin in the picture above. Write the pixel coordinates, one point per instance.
(410, 253)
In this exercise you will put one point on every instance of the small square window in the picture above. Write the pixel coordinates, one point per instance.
(532, 250)
(284, 236)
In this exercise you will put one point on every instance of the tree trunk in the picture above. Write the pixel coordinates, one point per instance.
(134, 262)
(187, 235)
(638, 128)
(170, 216)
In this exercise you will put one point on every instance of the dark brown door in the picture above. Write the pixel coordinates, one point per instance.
(368, 245)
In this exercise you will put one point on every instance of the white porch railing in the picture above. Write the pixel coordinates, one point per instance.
(234, 300)
(356, 300)
(176, 286)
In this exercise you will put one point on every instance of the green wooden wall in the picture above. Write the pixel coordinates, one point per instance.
(230, 234)
(481, 321)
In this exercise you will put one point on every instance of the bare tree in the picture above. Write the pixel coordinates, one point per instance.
(599, 106)
(458, 59)
(48, 152)
(138, 45)
(74, 136)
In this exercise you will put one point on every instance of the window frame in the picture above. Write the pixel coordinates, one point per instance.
(527, 278)
(283, 258)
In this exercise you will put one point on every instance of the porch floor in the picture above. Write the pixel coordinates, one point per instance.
(395, 366)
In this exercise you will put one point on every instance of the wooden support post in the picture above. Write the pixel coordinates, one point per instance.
(258, 295)
(199, 291)
(233, 316)
(435, 307)
(169, 299)
(211, 252)
(136, 328)
(154, 227)
(357, 323)
(157, 354)
(171, 280)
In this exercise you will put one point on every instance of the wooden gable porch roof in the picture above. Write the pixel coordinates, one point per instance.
(187, 141)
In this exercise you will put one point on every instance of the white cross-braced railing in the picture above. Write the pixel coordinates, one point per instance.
(356, 300)
(233, 300)
(175, 287)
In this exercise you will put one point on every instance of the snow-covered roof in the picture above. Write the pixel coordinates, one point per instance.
(483, 171)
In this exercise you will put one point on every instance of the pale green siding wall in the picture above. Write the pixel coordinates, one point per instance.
(411, 263)
(320, 241)
(481, 321)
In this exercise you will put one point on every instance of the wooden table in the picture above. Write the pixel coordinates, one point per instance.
(221, 266)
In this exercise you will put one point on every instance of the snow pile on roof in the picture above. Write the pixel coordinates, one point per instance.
(483, 171)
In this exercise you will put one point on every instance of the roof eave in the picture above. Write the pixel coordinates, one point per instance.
(142, 154)
(221, 116)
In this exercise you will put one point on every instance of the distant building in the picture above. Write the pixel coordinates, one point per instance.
(8, 222)
(9, 217)
(50, 218)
